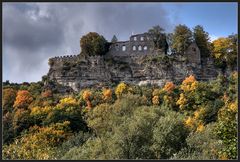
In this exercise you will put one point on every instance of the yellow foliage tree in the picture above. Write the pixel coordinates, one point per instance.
(225, 50)
(120, 89)
(181, 101)
(39, 143)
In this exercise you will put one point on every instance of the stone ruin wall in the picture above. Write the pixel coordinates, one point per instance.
(139, 44)
(130, 66)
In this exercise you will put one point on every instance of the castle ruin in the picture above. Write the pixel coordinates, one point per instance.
(135, 61)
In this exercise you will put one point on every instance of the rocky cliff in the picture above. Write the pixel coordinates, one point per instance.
(97, 71)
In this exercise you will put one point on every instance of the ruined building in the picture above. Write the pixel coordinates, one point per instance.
(134, 61)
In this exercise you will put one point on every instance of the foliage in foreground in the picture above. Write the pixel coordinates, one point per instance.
(193, 120)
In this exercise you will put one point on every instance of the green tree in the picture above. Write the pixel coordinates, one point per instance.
(93, 44)
(182, 38)
(202, 145)
(159, 38)
(201, 38)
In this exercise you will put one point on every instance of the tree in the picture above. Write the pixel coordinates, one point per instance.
(114, 39)
(202, 40)
(23, 99)
(39, 143)
(93, 44)
(121, 89)
(182, 38)
(9, 95)
(159, 38)
(232, 57)
(225, 51)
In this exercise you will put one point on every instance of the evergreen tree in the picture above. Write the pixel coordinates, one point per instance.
(182, 38)
(201, 38)
(114, 39)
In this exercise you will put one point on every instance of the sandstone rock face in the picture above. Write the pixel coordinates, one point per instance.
(97, 71)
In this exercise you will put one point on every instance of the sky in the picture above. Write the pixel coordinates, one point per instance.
(35, 32)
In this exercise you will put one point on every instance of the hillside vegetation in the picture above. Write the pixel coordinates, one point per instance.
(192, 120)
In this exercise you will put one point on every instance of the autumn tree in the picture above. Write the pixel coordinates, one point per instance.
(182, 38)
(121, 89)
(201, 38)
(23, 99)
(159, 38)
(93, 44)
(39, 143)
(225, 51)
(68, 109)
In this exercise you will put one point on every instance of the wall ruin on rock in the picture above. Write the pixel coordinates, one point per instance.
(125, 63)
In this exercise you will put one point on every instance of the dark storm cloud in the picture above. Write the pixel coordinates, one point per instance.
(33, 32)
(26, 28)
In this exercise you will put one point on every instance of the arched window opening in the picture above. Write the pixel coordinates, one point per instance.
(139, 48)
(142, 38)
(135, 38)
(134, 48)
(145, 48)
(123, 48)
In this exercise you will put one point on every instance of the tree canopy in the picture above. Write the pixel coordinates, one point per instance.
(159, 38)
(93, 44)
(225, 51)
(182, 38)
(201, 38)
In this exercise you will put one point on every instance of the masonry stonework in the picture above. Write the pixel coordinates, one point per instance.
(134, 61)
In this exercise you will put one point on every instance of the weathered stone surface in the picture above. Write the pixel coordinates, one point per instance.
(97, 71)
(124, 63)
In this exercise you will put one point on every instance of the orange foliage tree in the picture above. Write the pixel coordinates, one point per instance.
(107, 94)
(86, 97)
(23, 99)
(169, 87)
